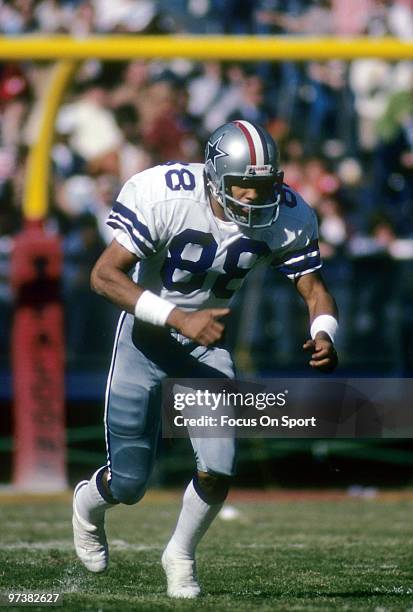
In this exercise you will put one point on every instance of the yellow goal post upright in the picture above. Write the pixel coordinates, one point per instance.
(37, 336)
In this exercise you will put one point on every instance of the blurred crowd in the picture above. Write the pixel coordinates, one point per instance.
(345, 132)
(83, 17)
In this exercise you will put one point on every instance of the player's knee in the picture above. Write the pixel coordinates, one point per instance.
(131, 467)
(128, 490)
(212, 488)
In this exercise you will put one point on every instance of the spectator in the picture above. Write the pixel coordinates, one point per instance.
(163, 125)
(94, 134)
(14, 100)
(88, 326)
(9, 223)
(228, 99)
(394, 161)
(375, 300)
(316, 19)
(82, 20)
(131, 89)
(373, 81)
(253, 106)
(205, 89)
(18, 17)
(400, 19)
(133, 157)
(350, 18)
(51, 16)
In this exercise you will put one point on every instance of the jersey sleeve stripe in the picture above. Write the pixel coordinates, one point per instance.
(129, 225)
(294, 275)
(123, 210)
(294, 260)
(141, 246)
(309, 249)
(300, 266)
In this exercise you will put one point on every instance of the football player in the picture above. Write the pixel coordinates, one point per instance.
(191, 233)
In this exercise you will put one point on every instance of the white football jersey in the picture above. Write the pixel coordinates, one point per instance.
(190, 257)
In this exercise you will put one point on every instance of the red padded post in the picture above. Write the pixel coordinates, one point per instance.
(38, 362)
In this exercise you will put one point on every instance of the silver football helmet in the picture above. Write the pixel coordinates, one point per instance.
(243, 154)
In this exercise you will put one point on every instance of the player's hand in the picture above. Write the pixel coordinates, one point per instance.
(202, 326)
(324, 355)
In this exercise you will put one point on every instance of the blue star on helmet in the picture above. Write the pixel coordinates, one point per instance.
(214, 152)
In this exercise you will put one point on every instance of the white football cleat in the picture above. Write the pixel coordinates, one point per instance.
(181, 576)
(90, 540)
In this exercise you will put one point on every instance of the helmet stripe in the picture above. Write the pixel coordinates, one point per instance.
(263, 143)
(250, 141)
(255, 142)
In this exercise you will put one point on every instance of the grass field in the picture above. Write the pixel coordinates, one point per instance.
(284, 552)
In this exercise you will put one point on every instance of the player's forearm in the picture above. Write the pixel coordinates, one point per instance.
(318, 299)
(323, 315)
(116, 286)
(319, 303)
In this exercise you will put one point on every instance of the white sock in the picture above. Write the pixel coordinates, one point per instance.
(195, 518)
(90, 503)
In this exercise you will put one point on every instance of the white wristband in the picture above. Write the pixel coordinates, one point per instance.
(153, 309)
(326, 323)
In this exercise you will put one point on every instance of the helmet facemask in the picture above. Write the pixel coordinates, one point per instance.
(257, 214)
